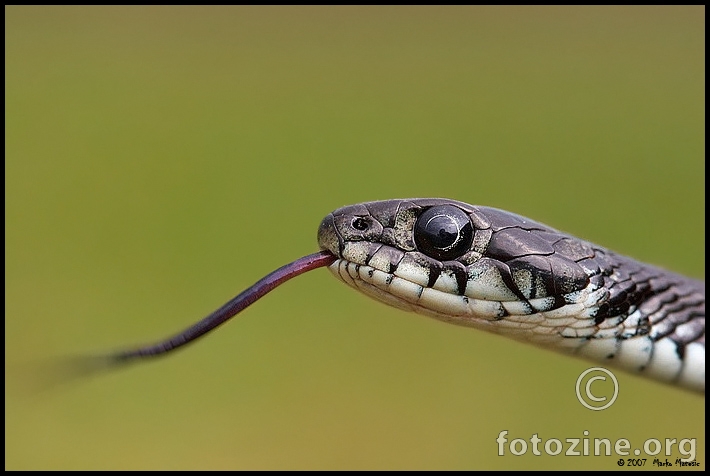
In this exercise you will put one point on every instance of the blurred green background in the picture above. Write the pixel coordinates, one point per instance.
(160, 160)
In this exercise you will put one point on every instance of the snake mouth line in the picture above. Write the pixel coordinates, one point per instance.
(491, 315)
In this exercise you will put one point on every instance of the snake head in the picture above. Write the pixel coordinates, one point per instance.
(460, 263)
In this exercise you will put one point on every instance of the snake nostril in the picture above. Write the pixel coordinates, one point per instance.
(360, 223)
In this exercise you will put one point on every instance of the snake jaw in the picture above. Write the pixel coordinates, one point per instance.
(527, 321)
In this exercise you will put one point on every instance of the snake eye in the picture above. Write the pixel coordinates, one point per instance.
(444, 232)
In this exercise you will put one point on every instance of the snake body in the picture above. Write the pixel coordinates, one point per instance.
(493, 270)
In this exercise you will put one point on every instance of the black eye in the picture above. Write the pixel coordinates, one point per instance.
(444, 232)
(361, 224)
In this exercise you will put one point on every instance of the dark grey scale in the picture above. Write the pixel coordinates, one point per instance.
(384, 214)
(664, 298)
(480, 220)
(388, 237)
(676, 305)
(680, 349)
(328, 233)
(620, 297)
(663, 314)
(692, 331)
(688, 287)
(574, 250)
(372, 250)
(590, 266)
(434, 272)
(514, 242)
(500, 220)
(642, 287)
(602, 313)
(407, 206)
(619, 309)
(550, 236)
(602, 260)
(634, 268)
(652, 304)
(678, 314)
(540, 268)
(693, 298)
(625, 290)
(568, 275)
(666, 327)
(597, 281)
(435, 202)
(659, 284)
(460, 274)
(560, 275)
(352, 210)
(625, 269)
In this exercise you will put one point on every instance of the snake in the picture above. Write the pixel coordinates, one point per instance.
(496, 271)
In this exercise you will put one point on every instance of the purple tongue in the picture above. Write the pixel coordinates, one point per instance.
(228, 310)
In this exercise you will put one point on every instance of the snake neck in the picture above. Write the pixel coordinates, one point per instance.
(651, 301)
